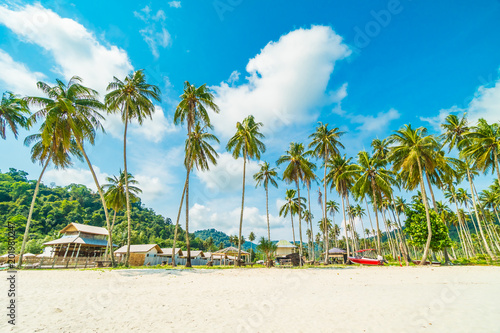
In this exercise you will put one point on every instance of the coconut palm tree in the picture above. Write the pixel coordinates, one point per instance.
(292, 207)
(484, 146)
(52, 144)
(380, 148)
(413, 147)
(116, 198)
(12, 113)
(308, 217)
(332, 207)
(373, 180)
(133, 99)
(265, 176)
(341, 177)
(325, 144)
(298, 168)
(199, 154)
(193, 108)
(72, 109)
(247, 143)
(308, 179)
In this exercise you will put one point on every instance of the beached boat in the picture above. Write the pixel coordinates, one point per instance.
(363, 257)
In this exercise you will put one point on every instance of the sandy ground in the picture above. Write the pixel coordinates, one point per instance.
(354, 299)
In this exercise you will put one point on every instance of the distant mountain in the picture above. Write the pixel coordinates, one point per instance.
(219, 236)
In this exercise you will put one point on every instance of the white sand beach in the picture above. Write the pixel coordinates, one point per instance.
(353, 299)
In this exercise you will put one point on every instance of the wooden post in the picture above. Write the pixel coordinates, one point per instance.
(86, 262)
(66, 253)
(54, 262)
(41, 263)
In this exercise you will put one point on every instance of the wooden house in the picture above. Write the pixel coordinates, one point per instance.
(80, 240)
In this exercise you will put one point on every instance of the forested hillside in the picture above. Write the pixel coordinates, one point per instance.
(58, 206)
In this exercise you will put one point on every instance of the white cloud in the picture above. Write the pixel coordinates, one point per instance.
(16, 77)
(485, 104)
(227, 175)
(375, 123)
(175, 4)
(64, 177)
(155, 33)
(156, 128)
(234, 77)
(287, 80)
(227, 220)
(436, 121)
(75, 50)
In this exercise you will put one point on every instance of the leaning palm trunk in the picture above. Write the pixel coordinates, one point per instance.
(401, 234)
(103, 201)
(369, 215)
(300, 223)
(427, 214)
(188, 243)
(345, 227)
(127, 196)
(177, 222)
(242, 207)
(28, 222)
(293, 229)
(486, 246)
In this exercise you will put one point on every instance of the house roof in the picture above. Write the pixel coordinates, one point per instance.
(88, 229)
(335, 250)
(78, 240)
(168, 251)
(139, 248)
(285, 244)
(193, 254)
(231, 250)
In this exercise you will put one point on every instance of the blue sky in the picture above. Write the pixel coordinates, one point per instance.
(367, 67)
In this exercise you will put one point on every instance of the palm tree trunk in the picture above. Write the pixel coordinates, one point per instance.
(32, 207)
(127, 196)
(325, 228)
(103, 201)
(177, 222)
(375, 209)
(188, 243)
(345, 227)
(486, 246)
(368, 212)
(267, 213)
(496, 165)
(398, 224)
(427, 214)
(300, 222)
(293, 229)
(242, 206)
(310, 220)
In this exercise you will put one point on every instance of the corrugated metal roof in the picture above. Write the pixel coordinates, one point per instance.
(139, 248)
(78, 240)
(89, 229)
(193, 254)
(231, 249)
(285, 244)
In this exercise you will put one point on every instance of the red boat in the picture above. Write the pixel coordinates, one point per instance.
(363, 257)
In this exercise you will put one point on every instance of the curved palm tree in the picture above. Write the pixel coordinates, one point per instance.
(292, 207)
(265, 176)
(71, 112)
(246, 142)
(297, 170)
(133, 99)
(374, 181)
(308, 179)
(325, 144)
(116, 198)
(52, 144)
(484, 146)
(201, 154)
(413, 147)
(12, 110)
